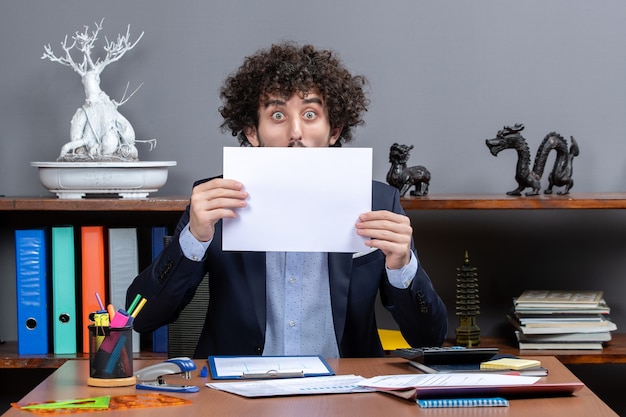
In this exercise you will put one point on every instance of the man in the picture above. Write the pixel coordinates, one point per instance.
(292, 303)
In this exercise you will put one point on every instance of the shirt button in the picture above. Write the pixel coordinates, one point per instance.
(292, 323)
(292, 280)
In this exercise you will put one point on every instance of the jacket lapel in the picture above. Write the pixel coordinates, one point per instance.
(339, 269)
(254, 271)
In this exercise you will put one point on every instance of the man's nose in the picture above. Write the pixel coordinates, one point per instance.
(295, 131)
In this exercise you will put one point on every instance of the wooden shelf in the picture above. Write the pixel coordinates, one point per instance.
(429, 202)
(153, 204)
(613, 352)
(504, 202)
(10, 359)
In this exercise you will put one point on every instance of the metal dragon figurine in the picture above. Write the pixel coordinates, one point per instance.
(561, 175)
(403, 177)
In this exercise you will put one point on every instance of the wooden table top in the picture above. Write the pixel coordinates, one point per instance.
(70, 382)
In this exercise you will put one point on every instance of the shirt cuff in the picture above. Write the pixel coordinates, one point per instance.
(192, 248)
(403, 277)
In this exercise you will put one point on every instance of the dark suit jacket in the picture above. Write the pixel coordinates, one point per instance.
(235, 320)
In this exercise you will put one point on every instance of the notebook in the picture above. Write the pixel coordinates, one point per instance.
(463, 402)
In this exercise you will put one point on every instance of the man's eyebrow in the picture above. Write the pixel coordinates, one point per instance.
(275, 102)
(281, 102)
(315, 100)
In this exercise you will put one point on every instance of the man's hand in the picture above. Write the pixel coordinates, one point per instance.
(212, 201)
(389, 232)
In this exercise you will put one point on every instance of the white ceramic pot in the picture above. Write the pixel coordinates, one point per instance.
(71, 180)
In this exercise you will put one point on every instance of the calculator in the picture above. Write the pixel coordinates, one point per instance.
(446, 354)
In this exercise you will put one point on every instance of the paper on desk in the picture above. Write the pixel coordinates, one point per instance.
(300, 199)
(338, 384)
(405, 381)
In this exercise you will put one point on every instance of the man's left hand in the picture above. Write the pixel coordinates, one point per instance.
(389, 232)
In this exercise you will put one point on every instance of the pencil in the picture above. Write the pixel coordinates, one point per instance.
(139, 307)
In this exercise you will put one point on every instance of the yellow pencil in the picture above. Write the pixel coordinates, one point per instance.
(139, 307)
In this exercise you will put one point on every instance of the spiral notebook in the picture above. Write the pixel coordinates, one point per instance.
(463, 402)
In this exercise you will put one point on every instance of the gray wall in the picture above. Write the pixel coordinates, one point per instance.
(445, 75)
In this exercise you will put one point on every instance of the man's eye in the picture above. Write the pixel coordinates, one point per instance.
(278, 115)
(310, 115)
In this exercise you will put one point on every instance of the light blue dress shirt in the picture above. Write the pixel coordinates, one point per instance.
(299, 314)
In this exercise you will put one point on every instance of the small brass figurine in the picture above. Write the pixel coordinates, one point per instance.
(467, 305)
(561, 175)
(403, 178)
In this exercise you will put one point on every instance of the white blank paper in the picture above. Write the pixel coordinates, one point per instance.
(300, 199)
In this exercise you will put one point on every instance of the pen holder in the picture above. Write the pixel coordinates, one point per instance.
(110, 356)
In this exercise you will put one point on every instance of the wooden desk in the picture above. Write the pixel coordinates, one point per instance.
(69, 381)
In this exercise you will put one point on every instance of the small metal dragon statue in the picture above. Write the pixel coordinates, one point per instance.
(404, 178)
(561, 175)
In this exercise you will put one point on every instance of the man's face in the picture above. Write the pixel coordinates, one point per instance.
(297, 121)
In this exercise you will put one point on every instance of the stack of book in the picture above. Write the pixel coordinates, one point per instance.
(549, 319)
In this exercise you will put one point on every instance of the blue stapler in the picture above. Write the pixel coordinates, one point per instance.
(152, 377)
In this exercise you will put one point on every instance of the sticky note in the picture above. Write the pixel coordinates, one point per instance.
(510, 363)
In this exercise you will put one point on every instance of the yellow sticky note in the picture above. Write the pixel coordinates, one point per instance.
(392, 339)
(510, 363)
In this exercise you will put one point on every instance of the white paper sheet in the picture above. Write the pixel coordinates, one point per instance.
(339, 384)
(404, 381)
(300, 199)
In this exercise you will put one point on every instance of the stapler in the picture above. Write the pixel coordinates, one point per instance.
(152, 377)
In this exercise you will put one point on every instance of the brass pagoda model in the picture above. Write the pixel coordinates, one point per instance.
(467, 305)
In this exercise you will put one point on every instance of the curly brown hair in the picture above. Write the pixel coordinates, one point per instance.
(285, 69)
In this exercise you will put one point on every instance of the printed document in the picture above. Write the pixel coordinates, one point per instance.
(339, 384)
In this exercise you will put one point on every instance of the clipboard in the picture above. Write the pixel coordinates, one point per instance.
(268, 367)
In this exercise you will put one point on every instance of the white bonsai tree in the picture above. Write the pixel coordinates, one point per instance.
(98, 132)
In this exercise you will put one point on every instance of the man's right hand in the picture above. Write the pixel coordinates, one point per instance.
(211, 201)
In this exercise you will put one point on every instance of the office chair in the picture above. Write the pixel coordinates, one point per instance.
(183, 334)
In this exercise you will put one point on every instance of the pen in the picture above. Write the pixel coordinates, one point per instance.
(273, 374)
(139, 307)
